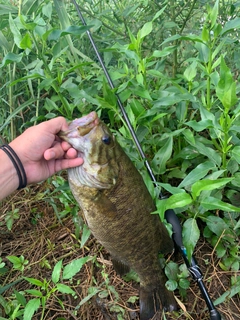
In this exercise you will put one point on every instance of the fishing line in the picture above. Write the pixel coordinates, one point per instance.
(169, 214)
(125, 116)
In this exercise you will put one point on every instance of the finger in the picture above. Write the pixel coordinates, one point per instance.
(71, 153)
(67, 163)
(55, 125)
(65, 145)
(56, 152)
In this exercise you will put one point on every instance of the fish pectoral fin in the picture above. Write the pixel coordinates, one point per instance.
(120, 267)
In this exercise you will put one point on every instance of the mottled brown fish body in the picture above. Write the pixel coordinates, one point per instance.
(119, 215)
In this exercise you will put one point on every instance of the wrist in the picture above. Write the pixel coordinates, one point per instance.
(12, 155)
(9, 181)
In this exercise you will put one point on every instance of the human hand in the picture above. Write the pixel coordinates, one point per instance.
(42, 152)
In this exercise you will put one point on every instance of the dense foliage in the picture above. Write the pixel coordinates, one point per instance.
(175, 66)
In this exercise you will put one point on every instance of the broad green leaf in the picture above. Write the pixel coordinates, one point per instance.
(231, 25)
(210, 153)
(31, 308)
(162, 156)
(216, 225)
(171, 270)
(73, 30)
(4, 43)
(236, 153)
(207, 184)
(184, 283)
(65, 289)
(57, 272)
(165, 52)
(15, 31)
(85, 235)
(47, 10)
(11, 58)
(200, 125)
(211, 203)
(170, 188)
(74, 267)
(171, 285)
(26, 42)
(213, 14)
(191, 71)
(191, 236)
(142, 93)
(226, 88)
(178, 200)
(34, 281)
(198, 173)
(203, 51)
(34, 292)
(158, 14)
(146, 29)
(20, 298)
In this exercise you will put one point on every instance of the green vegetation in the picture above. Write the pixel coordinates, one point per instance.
(175, 66)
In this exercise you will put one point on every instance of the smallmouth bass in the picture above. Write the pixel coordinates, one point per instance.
(117, 207)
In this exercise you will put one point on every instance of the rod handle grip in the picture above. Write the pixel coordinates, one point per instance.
(215, 315)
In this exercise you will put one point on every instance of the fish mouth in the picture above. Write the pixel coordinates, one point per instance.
(81, 126)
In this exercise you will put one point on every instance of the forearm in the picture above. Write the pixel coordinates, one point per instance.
(8, 176)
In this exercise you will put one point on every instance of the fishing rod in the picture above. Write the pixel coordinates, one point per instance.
(169, 214)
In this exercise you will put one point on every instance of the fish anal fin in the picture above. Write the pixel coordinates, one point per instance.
(120, 267)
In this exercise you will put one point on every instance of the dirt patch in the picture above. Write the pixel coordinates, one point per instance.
(43, 239)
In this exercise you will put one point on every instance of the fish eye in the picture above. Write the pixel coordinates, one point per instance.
(106, 139)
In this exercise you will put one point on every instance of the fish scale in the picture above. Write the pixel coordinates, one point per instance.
(117, 208)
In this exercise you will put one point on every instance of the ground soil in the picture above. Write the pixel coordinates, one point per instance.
(43, 240)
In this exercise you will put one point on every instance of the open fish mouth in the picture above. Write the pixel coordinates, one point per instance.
(80, 127)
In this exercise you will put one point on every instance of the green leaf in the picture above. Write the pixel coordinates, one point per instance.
(171, 285)
(11, 58)
(146, 29)
(74, 267)
(141, 93)
(92, 292)
(198, 173)
(231, 25)
(34, 281)
(177, 200)
(20, 298)
(30, 308)
(208, 184)
(15, 31)
(191, 71)
(34, 292)
(73, 30)
(211, 203)
(65, 289)
(162, 156)
(26, 42)
(236, 153)
(184, 283)
(214, 14)
(216, 224)
(200, 125)
(57, 272)
(226, 88)
(191, 234)
(85, 235)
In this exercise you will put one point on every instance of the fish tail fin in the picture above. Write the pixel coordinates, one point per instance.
(152, 300)
(149, 303)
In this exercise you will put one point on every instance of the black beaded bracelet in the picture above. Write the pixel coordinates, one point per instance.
(17, 164)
